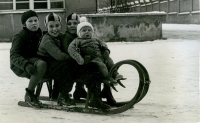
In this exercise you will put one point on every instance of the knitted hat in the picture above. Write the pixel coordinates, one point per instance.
(26, 15)
(52, 17)
(83, 23)
(73, 16)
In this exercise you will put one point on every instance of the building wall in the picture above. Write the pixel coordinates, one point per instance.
(81, 6)
(127, 26)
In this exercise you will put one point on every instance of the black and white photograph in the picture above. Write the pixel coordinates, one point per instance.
(103, 61)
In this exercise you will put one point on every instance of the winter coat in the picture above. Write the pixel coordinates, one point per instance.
(50, 47)
(59, 67)
(66, 40)
(78, 45)
(24, 46)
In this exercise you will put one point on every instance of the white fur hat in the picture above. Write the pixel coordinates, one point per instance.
(83, 23)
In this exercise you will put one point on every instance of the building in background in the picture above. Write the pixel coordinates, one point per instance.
(11, 11)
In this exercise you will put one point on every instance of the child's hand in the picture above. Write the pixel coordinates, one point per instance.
(106, 54)
(87, 59)
(30, 69)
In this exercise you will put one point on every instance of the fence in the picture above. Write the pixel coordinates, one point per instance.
(178, 11)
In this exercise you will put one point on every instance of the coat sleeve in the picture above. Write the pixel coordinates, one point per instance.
(103, 45)
(15, 52)
(55, 51)
(74, 53)
(65, 41)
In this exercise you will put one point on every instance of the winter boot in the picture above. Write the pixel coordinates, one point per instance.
(96, 102)
(106, 93)
(79, 92)
(64, 100)
(95, 99)
(117, 76)
(31, 99)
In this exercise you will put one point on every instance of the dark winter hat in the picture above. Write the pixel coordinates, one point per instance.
(52, 17)
(26, 15)
(73, 16)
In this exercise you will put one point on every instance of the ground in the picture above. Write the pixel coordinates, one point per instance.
(173, 96)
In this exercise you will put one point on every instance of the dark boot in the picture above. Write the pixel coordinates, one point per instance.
(106, 93)
(96, 102)
(31, 99)
(116, 76)
(64, 100)
(79, 92)
(95, 99)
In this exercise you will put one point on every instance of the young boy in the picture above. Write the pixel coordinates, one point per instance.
(57, 61)
(79, 49)
(24, 61)
(72, 21)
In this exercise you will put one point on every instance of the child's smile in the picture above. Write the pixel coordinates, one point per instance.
(54, 28)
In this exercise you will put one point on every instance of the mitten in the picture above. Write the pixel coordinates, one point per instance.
(87, 59)
(30, 69)
(106, 54)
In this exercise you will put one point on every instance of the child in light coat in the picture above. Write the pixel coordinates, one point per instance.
(80, 47)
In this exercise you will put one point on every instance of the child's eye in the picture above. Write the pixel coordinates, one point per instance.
(75, 23)
(57, 25)
(69, 23)
(35, 20)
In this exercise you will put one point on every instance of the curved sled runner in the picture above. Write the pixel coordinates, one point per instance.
(142, 90)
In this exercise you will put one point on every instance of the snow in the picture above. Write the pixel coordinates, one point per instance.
(184, 27)
(173, 97)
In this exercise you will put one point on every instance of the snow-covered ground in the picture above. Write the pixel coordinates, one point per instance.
(173, 96)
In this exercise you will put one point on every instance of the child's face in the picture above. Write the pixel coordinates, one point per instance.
(86, 32)
(32, 24)
(71, 26)
(54, 28)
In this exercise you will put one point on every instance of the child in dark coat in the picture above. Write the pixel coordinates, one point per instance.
(78, 50)
(24, 61)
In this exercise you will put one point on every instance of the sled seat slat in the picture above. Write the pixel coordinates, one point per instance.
(48, 81)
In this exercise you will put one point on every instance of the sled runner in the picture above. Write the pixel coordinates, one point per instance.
(120, 107)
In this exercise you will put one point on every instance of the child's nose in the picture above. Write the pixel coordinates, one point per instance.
(54, 28)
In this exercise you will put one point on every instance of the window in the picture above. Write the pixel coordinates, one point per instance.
(57, 4)
(40, 4)
(6, 4)
(31, 4)
(22, 4)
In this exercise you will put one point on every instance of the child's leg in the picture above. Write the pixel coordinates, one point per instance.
(109, 64)
(102, 68)
(30, 97)
(41, 67)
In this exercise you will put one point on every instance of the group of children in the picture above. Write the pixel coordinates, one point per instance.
(34, 55)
